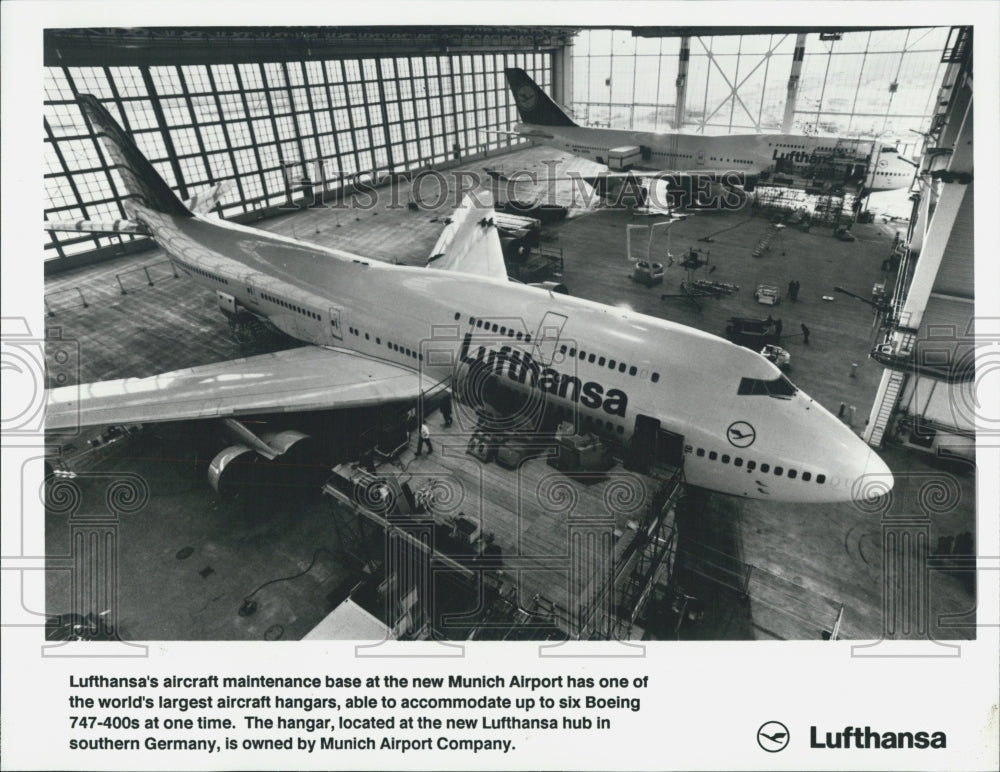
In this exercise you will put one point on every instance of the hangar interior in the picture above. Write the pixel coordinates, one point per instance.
(301, 122)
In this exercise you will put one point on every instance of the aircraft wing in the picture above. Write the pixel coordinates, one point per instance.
(296, 380)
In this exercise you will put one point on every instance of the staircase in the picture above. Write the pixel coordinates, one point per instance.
(765, 242)
(887, 408)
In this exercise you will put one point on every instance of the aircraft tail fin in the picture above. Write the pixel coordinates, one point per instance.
(533, 104)
(470, 242)
(143, 182)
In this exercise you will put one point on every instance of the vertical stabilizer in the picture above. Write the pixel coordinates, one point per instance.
(142, 181)
(533, 104)
(470, 243)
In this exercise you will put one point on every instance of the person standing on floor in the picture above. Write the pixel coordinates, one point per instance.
(805, 334)
(446, 409)
(777, 330)
(425, 438)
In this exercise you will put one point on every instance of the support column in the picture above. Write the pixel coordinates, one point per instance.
(941, 224)
(961, 99)
(684, 59)
(793, 83)
(562, 76)
(923, 213)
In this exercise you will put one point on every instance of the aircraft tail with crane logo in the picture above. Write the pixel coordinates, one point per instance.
(534, 105)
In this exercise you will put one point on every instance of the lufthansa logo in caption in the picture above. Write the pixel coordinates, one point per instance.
(773, 736)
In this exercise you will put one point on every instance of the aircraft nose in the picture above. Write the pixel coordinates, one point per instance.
(874, 479)
(853, 470)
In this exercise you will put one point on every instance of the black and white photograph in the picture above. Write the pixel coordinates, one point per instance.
(396, 389)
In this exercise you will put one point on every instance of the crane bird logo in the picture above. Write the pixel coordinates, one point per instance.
(741, 434)
(526, 98)
(773, 736)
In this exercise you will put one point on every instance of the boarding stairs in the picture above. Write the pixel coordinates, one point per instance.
(887, 407)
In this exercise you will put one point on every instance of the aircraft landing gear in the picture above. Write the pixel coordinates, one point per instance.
(248, 331)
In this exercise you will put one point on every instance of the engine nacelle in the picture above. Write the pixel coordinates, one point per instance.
(241, 471)
(233, 470)
(295, 465)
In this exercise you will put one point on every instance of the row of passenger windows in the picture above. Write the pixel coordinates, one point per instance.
(600, 361)
(587, 421)
(388, 344)
(403, 350)
(290, 306)
(778, 471)
(207, 275)
(487, 326)
(731, 160)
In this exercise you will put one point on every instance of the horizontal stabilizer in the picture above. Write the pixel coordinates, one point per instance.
(205, 201)
(470, 243)
(97, 226)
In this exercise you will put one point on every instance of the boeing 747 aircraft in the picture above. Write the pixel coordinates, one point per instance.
(739, 159)
(381, 333)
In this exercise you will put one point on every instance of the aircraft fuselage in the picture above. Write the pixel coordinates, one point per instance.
(741, 155)
(604, 365)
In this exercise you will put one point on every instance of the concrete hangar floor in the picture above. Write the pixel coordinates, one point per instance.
(758, 570)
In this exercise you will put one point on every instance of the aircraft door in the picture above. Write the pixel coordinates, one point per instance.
(333, 325)
(642, 446)
(547, 337)
(653, 446)
(252, 298)
(669, 448)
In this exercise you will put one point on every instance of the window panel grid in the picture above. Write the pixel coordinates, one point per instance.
(239, 122)
(736, 84)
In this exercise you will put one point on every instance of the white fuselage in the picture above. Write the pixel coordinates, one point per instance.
(739, 154)
(606, 365)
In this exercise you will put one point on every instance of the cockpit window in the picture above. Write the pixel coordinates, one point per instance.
(780, 387)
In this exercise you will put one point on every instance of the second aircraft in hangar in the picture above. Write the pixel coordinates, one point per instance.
(742, 159)
(384, 333)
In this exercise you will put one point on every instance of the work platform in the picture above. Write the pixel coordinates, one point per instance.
(566, 550)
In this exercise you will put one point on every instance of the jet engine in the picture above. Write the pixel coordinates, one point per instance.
(275, 464)
(232, 473)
